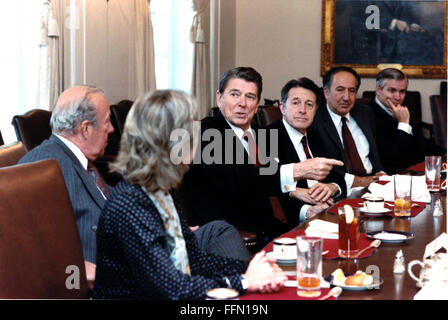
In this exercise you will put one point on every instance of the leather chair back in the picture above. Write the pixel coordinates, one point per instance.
(443, 88)
(11, 154)
(267, 115)
(41, 253)
(32, 128)
(438, 111)
(119, 113)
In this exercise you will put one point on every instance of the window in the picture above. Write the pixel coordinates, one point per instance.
(171, 20)
(19, 63)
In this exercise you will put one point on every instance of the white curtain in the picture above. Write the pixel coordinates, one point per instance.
(200, 79)
(145, 78)
(50, 73)
(20, 22)
(107, 43)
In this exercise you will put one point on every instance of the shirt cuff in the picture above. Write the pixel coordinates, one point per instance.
(287, 182)
(303, 212)
(339, 190)
(405, 127)
(349, 178)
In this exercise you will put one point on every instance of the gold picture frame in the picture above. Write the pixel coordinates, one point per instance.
(367, 57)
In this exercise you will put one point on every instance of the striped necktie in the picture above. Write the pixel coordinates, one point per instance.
(305, 147)
(95, 174)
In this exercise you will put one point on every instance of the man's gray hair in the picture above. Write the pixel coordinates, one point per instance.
(389, 73)
(68, 114)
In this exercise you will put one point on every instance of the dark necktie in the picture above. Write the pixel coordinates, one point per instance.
(305, 148)
(94, 173)
(253, 148)
(354, 162)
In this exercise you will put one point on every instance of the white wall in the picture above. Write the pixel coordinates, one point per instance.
(281, 39)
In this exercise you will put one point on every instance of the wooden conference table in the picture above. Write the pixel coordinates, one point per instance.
(425, 228)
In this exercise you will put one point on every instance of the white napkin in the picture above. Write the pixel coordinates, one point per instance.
(323, 229)
(433, 290)
(419, 190)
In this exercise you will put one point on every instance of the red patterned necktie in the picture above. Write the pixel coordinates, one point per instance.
(94, 173)
(354, 162)
(305, 148)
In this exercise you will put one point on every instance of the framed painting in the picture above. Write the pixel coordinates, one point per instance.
(369, 36)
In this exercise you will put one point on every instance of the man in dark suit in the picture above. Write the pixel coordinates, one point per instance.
(297, 143)
(398, 135)
(225, 180)
(347, 130)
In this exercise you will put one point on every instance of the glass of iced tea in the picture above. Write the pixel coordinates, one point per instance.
(309, 266)
(402, 195)
(348, 221)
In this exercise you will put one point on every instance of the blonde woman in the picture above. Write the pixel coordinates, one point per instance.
(145, 248)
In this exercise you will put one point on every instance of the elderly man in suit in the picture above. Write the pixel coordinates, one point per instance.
(81, 124)
(297, 143)
(223, 185)
(399, 137)
(348, 130)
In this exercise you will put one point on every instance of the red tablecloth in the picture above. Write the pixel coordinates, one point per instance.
(359, 202)
(329, 244)
(421, 167)
(285, 293)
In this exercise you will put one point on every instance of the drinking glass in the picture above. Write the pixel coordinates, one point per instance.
(348, 232)
(402, 195)
(432, 172)
(309, 266)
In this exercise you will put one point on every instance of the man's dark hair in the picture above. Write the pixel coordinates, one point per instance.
(299, 83)
(246, 73)
(328, 77)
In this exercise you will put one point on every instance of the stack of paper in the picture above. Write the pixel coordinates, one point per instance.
(323, 229)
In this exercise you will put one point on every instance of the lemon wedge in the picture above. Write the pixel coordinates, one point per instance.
(349, 214)
(338, 276)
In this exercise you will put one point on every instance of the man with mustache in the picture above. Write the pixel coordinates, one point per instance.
(348, 130)
(297, 143)
(399, 137)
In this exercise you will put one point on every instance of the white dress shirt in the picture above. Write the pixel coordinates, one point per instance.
(361, 142)
(78, 154)
(406, 127)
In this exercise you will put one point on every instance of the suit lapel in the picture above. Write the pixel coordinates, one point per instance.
(287, 150)
(82, 173)
(331, 129)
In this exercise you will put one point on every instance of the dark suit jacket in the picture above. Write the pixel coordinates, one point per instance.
(287, 154)
(134, 258)
(87, 201)
(397, 149)
(233, 192)
(331, 146)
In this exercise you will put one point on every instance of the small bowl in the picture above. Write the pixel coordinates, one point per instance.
(222, 294)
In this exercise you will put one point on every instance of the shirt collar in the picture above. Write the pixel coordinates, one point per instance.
(294, 134)
(337, 118)
(384, 107)
(76, 151)
(238, 131)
